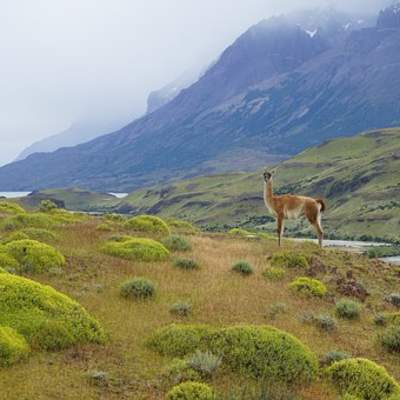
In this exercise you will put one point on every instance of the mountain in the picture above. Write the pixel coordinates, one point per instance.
(390, 17)
(275, 91)
(358, 176)
(79, 132)
(160, 97)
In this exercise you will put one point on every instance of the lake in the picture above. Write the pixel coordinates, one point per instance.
(13, 195)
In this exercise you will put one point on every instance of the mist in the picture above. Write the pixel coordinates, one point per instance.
(67, 60)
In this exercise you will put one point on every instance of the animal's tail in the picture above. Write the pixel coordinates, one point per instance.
(322, 203)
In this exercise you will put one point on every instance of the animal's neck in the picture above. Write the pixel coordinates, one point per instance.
(268, 193)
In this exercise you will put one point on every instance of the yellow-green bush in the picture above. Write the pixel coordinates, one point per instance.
(239, 232)
(7, 207)
(179, 226)
(7, 262)
(46, 318)
(13, 346)
(179, 371)
(362, 378)
(191, 391)
(148, 224)
(274, 273)
(32, 220)
(105, 227)
(308, 287)
(179, 340)
(255, 351)
(176, 243)
(34, 256)
(289, 260)
(40, 234)
(137, 249)
(390, 338)
(137, 288)
(18, 235)
(265, 352)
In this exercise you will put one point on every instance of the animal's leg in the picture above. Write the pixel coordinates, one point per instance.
(280, 223)
(318, 229)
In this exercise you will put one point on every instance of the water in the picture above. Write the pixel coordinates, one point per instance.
(13, 195)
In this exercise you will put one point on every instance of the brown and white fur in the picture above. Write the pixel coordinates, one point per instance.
(293, 207)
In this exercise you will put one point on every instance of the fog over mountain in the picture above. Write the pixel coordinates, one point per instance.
(66, 60)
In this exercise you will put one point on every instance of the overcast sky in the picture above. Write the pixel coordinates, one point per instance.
(64, 60)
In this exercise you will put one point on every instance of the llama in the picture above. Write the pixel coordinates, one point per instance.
(292, 207)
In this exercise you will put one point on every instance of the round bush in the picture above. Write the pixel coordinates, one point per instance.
(362, 378)
(390, 339)
(325, 322)
(18, 235)
(148, 224)
(185, 263)
(239, 232)
(191, 391)
(265, 352)
(179, 371)
(41, 314)
(137, 288)
(137, 249)
(105, 227)
(32, 220)
(7, 262)
(179, 340)
(348, 309)
(47, 206)
(394, 298)
(34, 256)
(386, 318)
(274, 273)
(243, 267)
(179, 226)
(40, 234)
(176, 243)
(7, 207)
(181, 309)
(289, 260)
(13, 346)
(308, 287)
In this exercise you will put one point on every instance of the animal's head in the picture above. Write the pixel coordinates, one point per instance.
(267, 176)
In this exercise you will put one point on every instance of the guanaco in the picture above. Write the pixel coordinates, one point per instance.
(292, 207)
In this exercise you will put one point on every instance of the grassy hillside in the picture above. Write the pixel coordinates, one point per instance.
(125, 366)
(358, 176)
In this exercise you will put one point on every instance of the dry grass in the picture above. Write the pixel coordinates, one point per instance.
(218, 296)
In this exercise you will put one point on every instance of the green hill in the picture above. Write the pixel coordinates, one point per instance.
(358, 176)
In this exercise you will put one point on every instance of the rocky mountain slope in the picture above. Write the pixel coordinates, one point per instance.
(275, 91)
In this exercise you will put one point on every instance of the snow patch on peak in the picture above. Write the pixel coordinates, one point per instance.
(312, 33)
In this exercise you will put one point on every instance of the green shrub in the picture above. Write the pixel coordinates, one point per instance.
(334, 356)
(348, 309)
(204, 362)
(179, 371)
(242, 267)
(179, 226)
(148, 224)
(308, 287)
(264, 352)
(186, 263)
(33, 220)
(34, 256)
(44, 316)
(289, 260)
(176, 243)
(181, 309)
(13, 346)
(383, 319)
(191, 391)
(349, 397)
(239, 232)
(325, 322)
(105, 227)
(7, 207)
(47, 206)
(390, 339)
(137, 288)
(3, 271)
(274, 273)
(18, 235)
(113, 217)
(137, 249)
(394, 298)
(362, 378)
(40, 234)
(7, 262)
(179, 340)
(98, 378)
